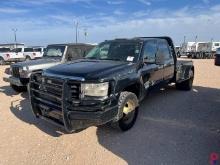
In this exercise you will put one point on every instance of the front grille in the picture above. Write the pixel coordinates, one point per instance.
(15, 72)
(46, 95)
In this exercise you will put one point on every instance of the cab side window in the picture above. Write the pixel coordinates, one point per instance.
(165, 50)
(28, 49)
(87, 50)
(74, 53)
(150, 51)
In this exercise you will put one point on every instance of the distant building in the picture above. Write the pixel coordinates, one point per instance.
(12, 45)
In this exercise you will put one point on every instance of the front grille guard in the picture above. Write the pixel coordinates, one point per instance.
(66, 96)
(15, 71)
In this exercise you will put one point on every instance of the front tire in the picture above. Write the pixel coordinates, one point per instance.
(2, 61)
(19, 89)
(128, 107)
(178, 54)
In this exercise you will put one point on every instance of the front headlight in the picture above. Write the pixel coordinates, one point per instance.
(24, 73)
(95, 90)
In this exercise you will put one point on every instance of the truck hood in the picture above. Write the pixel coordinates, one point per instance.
(91, 69)
(38, 64)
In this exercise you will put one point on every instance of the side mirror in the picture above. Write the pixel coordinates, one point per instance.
(148, 61)
(160, 60)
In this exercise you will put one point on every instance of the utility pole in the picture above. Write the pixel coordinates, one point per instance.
(76, 30)
(85, 33)
(184, 40)
(15, 36)
(196, 39)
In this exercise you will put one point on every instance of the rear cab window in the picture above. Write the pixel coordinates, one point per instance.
(74, 53)
(54, 51)
(164, 48)
(218, 51)
(28, 49)
(37, 49)
(17, 50)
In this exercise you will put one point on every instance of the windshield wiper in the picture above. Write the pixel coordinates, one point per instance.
(51, 56)
(91, 58)
(112, 59)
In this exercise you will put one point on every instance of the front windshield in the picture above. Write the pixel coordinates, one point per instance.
(118, 51)
(218, 51)
(54, 51)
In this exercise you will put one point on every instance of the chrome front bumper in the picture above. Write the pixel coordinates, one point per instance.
(13, 80)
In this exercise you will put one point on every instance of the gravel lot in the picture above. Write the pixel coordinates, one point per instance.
(174, 127)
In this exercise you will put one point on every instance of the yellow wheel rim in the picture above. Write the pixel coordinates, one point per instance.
(128, 107)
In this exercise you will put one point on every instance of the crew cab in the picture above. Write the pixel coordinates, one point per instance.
(55, 54)
(14, 55)
(33, 53)
(108, 85)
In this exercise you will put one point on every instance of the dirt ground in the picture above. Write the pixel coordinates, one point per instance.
(173, 127)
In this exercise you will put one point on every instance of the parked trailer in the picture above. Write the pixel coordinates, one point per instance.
(205, 50)
(199, 50)
(186, 49)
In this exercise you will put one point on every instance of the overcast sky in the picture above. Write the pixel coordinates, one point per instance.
(42, 22)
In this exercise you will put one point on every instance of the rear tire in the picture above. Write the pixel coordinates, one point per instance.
(19, 89)
(27, 58)
(193, 56)
(128, 106)
(197, 56)
(187, 84)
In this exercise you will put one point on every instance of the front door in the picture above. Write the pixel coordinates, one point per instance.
(19, 53)
(152, 73)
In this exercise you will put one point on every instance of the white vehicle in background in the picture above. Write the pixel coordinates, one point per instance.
(39, 52)
(202, 50)
(187, 48)
(2, 52)
(12, 45)
(14, 55)
(33, 53)
(199, 50)
(215, 46)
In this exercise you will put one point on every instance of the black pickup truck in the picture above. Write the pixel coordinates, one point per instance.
(108, 85)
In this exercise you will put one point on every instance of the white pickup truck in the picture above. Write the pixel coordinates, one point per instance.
(33, 53)
(14, 55)
(20, 54)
